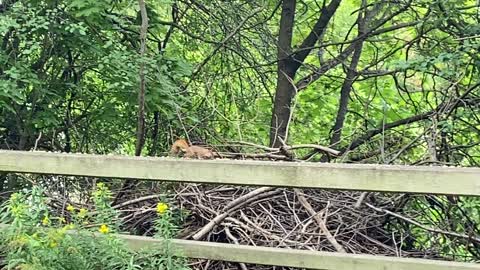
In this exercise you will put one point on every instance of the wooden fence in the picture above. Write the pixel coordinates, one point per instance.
(432, 180)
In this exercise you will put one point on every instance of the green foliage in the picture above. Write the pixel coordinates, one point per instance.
(460, 218)
(69, 79)
(72, 67)
(106, 214)
(37, 240)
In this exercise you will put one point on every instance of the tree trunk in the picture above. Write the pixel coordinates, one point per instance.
(141, 92)
(130, 184)
(349, 79)
(285, 90)
(289, 63)
(156, 122)
(345, 95)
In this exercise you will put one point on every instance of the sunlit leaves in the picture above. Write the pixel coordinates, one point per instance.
(79, 59)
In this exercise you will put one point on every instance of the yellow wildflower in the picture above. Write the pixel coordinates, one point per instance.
(62, 220)
(82, 213)
(53, 244)
(45, 221)
(162, 208)
(104, 229)
(70, 208)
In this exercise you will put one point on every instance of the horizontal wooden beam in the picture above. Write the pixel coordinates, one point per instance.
(295, 258)
(384, 178)
(288, 257)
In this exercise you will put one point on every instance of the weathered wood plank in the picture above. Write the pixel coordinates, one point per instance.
(289, 257)
(437, 180)
(296, 258)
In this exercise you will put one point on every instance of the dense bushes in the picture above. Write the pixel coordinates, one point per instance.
(38, 239)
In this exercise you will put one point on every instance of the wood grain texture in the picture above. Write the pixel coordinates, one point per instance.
(435, 180)
(295, 258)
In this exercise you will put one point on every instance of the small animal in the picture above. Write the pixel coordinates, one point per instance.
(181, 146)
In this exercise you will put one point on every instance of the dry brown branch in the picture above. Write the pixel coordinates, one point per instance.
(259, 146)
(321, 222)
(138, 200)
(292, 147)
(228, 208)
(235, 240)
(433, 230)
(266, 233)
(361, 199)
(317, 147)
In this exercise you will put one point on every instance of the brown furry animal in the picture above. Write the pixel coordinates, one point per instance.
(190, 151)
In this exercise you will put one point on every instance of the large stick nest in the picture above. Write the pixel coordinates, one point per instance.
(310, 219)
(286, 218)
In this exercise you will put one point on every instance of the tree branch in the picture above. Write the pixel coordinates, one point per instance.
(308, 43)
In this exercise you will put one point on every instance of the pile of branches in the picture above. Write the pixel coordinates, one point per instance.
(310, 219)
(319, 220)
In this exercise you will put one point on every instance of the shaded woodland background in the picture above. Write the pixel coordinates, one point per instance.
(388, 82)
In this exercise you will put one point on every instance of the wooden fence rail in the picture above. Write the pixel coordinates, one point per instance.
(433, 180)
(436, 180)
(297, 258)
(289, 257)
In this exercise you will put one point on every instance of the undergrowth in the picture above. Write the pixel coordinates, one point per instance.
(36, 239)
